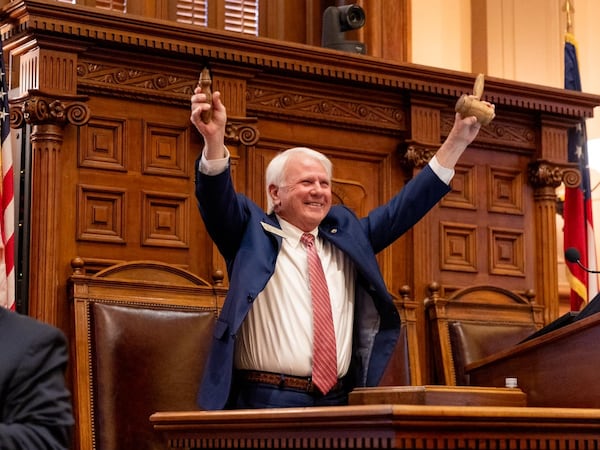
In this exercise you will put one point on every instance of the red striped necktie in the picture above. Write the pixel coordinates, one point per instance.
(324, 371)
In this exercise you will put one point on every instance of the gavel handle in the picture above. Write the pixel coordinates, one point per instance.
(205, 83)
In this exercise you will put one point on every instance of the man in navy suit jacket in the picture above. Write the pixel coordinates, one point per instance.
(35, 405)
(261, 354)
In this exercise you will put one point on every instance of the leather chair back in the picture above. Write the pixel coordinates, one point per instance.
(142, 333)
(473, 323)
(146, 360)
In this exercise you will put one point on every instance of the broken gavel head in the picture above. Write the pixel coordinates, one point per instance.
(471, 105)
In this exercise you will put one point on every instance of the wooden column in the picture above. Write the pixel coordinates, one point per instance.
(48, 102)
(424, 141)
(545, 178)
(48, 115)
(420, 148)
(545, 175)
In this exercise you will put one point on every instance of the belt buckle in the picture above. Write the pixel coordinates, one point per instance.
(310, 388)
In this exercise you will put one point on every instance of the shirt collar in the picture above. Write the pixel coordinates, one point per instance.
(293, 233)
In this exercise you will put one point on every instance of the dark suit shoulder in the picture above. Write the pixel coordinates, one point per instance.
(26, 327)
(23, 335)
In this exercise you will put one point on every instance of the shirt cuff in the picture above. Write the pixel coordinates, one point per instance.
(214, 166)
(442, 172)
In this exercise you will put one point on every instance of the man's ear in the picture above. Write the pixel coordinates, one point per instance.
(273, 192)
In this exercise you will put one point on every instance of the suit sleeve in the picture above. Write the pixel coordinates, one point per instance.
(37, 409)
(388, 222)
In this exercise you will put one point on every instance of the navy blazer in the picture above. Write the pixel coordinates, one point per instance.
(250, 252)
(35, 405)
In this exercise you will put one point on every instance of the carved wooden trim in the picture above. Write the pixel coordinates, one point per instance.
(324, 106)
(349, 193)
(515, 135)
(571, 176)
(49, 70)
(416, 155)
(37, 107)
(242, 131)
(425, 121)
(105, 28)
(48, 114)
(127, 78)
(544, 174)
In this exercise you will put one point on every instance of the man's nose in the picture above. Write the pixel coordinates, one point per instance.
(317, 187)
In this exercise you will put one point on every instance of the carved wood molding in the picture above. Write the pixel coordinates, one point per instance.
(325, 106)
(38, 108)
(124, 81)
(501, 133)
(240, 130)
(545, 174)
(416, 155)
(98, 30)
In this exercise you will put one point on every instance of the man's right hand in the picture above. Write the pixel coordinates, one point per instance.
(213, 131)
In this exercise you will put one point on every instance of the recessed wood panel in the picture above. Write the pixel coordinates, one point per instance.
(165, 220)
(101, 213)
(506, 251)
(101, 144)
(458, 247)
(165, 149)
(463, 187)
(505, 191)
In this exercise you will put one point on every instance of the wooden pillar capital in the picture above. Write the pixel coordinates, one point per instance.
(39, 108)
(544, 174)
(242, 131)
(417, 155)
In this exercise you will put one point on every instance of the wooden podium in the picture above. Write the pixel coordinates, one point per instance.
(557, 369)
(556, 375)
(402, 417)
(383, 426)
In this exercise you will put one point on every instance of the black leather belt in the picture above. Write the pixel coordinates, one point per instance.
(283, 381)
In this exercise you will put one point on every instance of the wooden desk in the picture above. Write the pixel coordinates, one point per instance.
(383, 426)
(558, 369)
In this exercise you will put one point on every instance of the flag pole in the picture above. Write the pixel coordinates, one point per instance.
(568, 8)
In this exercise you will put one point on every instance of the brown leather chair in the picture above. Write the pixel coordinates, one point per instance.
(141, 335)
(473, 323)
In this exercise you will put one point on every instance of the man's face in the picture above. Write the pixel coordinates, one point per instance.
(305, 198)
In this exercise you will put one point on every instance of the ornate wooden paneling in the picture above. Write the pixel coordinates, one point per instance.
(107, 99)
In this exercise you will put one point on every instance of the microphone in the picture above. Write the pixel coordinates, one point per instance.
(572, 255)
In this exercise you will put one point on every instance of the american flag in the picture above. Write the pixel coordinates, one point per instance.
(577, 212)
(7, 221)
